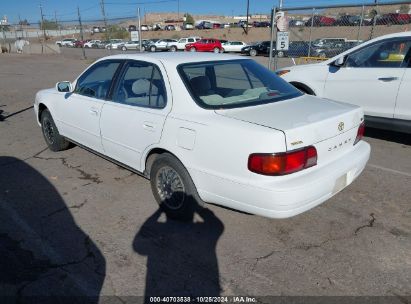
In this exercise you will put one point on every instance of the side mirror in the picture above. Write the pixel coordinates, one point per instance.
(64, 86)
(340, 61)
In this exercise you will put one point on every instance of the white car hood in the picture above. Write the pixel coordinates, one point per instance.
(307, 118)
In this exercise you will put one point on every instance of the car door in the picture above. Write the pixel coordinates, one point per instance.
(403, 104)
(133, 119)
(370, 77)
(78, 113)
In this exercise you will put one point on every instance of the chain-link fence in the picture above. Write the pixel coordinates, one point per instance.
(324, 32)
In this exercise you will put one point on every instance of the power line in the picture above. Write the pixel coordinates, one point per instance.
(139, 3)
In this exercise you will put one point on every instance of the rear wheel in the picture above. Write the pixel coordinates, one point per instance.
(216, 50)
(152, 48)
(193, 49)
(124, 48)
(253, 53)
(53, 139)
(173, 48)
(173, 187)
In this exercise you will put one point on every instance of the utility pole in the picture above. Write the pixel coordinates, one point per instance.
(178, 11)
(103, 12)
(81, 32)
(42, 22)
(44, 30)
(57, 25)
(248, 10)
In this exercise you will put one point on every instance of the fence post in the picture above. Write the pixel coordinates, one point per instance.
(361, 22)
(311, 29)
(270, 61)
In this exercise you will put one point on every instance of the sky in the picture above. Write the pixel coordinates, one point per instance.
(91, 10)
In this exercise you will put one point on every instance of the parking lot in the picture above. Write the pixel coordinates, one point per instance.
(74, 223)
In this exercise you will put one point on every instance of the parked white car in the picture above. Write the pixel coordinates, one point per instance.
(92, 43)
(160, 45)
(233, 46)
(130, 45)
(68, 42)
(375, 75)
(114, 44)
(209, 128)
(180, 45)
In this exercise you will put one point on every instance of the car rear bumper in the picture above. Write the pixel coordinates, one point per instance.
(287, 196)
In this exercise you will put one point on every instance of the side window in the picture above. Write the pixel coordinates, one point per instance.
(190, 40)
(96, 81)
(142, 85)
(387, 54)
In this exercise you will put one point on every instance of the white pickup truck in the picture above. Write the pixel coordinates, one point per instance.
(180, 45)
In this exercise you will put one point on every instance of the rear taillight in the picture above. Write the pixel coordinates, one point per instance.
(282, 163)
(360, 132)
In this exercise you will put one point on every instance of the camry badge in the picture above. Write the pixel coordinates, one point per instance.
(340, 126)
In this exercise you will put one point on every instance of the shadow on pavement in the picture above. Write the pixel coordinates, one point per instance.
(181, 256)
(45, 256)
(397, 137)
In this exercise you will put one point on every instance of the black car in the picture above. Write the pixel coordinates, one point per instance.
(132, 28)
(204, 25)
(298, 49)
(260, 48)
(348, 20)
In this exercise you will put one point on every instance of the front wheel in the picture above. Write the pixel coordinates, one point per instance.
(124, 48)
(216, 50)
(193, 49)
(152, 49)
(173, 49)
(53, 139)
(173, 187)
(253, 53)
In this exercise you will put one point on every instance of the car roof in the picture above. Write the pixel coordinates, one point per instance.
(174, 58)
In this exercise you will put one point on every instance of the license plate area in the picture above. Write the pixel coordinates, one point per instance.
(340, 183)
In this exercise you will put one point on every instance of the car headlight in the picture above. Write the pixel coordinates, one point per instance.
(282, 72)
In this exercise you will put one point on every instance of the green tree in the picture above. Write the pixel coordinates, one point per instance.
(4, 28)
(404, 8)
(48, 25)
(189, 18)
(116, 32)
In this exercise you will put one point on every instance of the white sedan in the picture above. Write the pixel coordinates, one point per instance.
(209, 128)
(233, 46)
(375, 75)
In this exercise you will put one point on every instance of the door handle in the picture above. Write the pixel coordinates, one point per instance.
(149, 126)
(388, 79)
(93, 111)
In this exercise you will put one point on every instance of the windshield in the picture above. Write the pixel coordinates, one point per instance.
(234, 83)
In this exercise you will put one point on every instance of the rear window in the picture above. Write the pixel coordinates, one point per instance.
(234, 83)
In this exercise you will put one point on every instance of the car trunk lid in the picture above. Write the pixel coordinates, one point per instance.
(307, 120)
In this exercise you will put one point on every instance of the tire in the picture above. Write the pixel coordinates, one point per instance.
(222, 50)
(216, 50)
(152, 48)
(253, 53)
(193, 49)
(173, 188)
(124, 48)
(173, 48)
(53, 139)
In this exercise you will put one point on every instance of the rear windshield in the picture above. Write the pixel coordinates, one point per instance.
(234, 83)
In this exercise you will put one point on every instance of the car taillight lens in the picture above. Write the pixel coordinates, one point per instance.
(360, 132)
(282, 163)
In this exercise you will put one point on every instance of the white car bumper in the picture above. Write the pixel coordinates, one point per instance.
(289, 195)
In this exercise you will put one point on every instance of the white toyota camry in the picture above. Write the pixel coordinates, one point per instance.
(209, 128)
